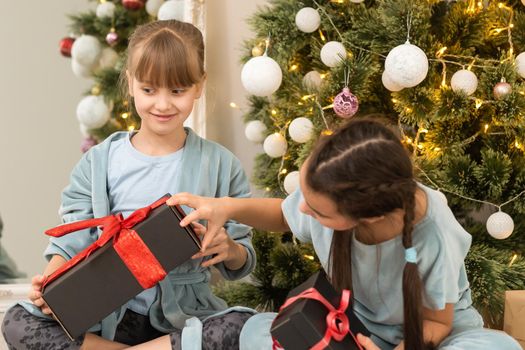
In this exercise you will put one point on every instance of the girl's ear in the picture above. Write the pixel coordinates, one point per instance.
(130, 83)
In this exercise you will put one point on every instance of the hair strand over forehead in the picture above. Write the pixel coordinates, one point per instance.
(166, 54)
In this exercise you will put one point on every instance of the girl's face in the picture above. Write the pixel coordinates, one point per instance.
(163, 110)
(322, 208)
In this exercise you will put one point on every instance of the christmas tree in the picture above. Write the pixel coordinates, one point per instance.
(449, 73)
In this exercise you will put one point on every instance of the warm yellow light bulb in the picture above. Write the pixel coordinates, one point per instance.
(309, 257)
(486, 127)
(514, 257)
(306, 97)
(233, 105)
(274, 112)
(284, 171)
(131, 127)
(323, 75)
(294, 67)
(479, 103)
(124, 115)
(322, 35)
(441, 51)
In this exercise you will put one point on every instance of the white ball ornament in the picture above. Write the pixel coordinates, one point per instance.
(93, 112)
(291, 182)
(406, 65)
(500, 225)
(261, 76)
(80, 70)
(255, 131)
(105, 9)
(520, 64)
(275, 145)
(464, 80)
(307, 20)
(108, 58)
(86, 50)
(389, 84)
(333, 53)
(153, 6)
(172, 9)
(300, 129)
(312, 80)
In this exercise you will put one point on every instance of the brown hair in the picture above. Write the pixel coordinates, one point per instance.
(364, 168)
(165, 54)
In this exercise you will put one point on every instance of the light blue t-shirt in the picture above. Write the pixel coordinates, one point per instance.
(377, 270)
(136, 180)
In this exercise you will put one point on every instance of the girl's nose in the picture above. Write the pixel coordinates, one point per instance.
(163, 102)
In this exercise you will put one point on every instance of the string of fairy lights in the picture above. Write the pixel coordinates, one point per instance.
(310, 23)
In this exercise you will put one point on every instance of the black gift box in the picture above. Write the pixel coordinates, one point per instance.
(302, 324)
(101, 283)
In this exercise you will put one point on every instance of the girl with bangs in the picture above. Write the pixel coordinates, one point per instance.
(378, 232)
(163, 77)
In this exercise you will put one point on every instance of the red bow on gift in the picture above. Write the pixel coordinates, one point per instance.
(126, 242)
(337, 323)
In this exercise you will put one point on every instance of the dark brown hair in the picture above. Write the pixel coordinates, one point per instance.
(165, 54)
(364, 168)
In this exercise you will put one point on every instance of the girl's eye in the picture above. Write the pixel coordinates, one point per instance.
(178, 91)
(147, 90)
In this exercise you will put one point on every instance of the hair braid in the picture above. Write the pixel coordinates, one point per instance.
(412, 284)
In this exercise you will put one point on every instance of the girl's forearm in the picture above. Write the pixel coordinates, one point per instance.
(260, 213)
(53, 264)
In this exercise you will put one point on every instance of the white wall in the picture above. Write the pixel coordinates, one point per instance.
(39, 137)
(226, 31)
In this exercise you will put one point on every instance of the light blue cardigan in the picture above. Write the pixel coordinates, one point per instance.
(208, 169)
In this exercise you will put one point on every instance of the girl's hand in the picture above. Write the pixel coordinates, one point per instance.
(222, 248)
(35, 295)
(209, 209)
(366, 342)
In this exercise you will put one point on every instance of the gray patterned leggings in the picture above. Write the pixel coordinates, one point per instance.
(23, 330)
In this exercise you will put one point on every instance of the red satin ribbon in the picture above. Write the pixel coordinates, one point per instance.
(337, 323)
(127, 243)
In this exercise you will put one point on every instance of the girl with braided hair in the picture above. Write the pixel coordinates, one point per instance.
(377, 231)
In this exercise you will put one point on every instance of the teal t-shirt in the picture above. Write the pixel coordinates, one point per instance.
(128, 191)
(377, 270)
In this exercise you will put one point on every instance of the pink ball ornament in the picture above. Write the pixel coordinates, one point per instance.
(87, 143)
(502, 89)
(346, 104)
(112, 38)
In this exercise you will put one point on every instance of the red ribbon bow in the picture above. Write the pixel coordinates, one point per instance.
(337, 323)
(126, 242)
